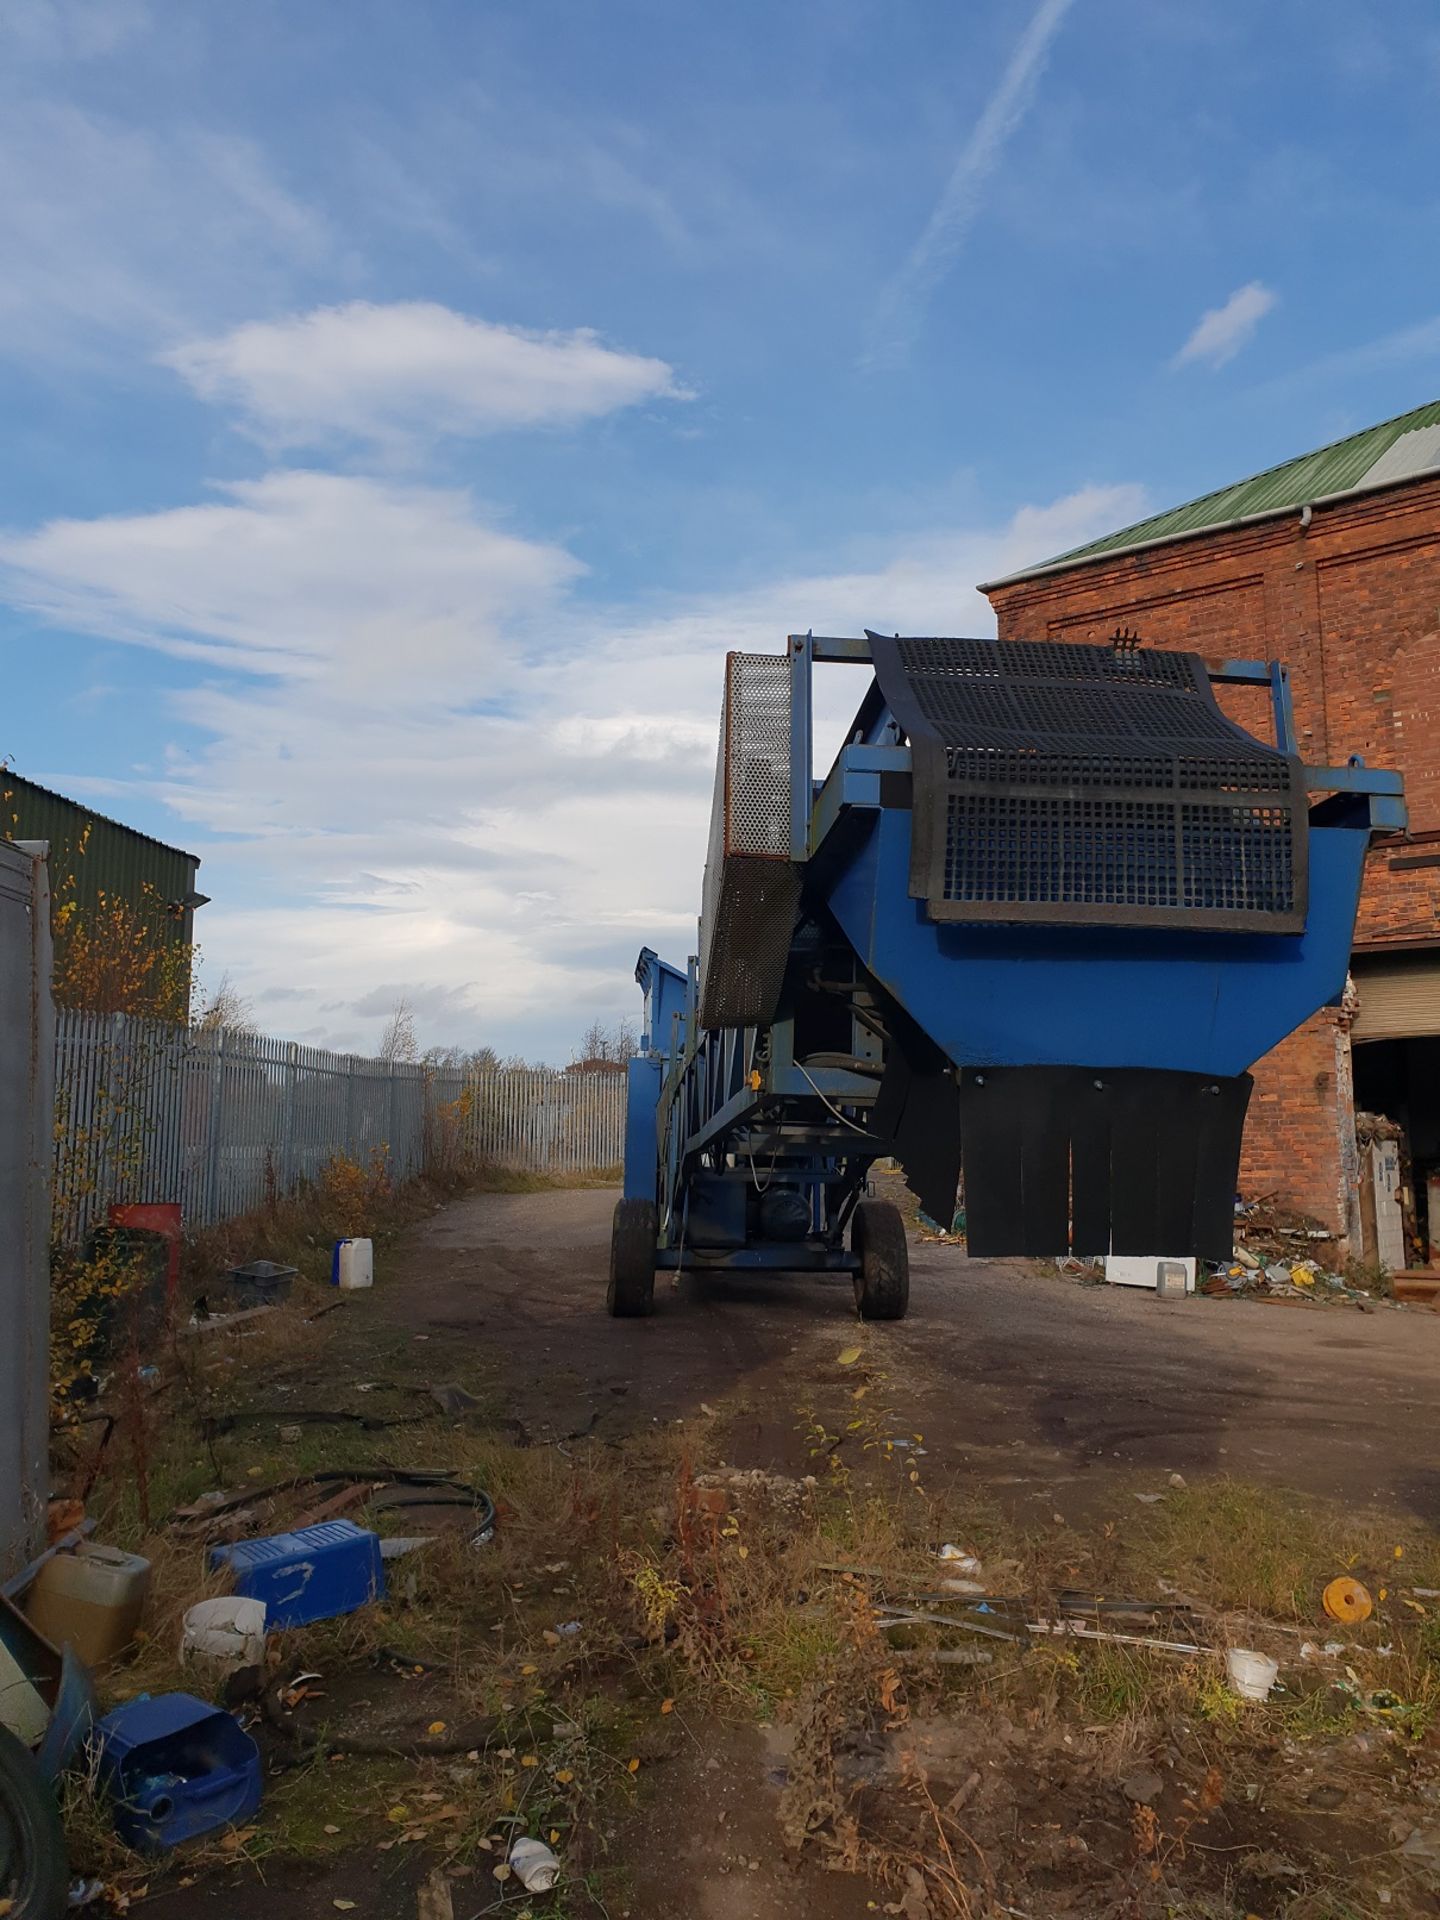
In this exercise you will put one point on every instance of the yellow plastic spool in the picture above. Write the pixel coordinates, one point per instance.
(1345, 1599)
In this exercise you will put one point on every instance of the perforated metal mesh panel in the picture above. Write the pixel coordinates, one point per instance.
(1080, 784)
(751, 887)
(755, 747)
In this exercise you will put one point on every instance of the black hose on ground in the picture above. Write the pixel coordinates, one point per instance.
(472, 1736)
(379, 1475)
(315, 1416)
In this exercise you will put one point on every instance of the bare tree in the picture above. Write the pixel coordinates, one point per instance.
(224, 1006)
(595, 1042)
(465, 1059)
(398, 1041)
(607, 1046)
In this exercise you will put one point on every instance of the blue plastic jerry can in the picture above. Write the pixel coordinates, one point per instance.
(173, 1768)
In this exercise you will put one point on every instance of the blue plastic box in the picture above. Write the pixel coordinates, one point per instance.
(314, 1574)
(175, 1767)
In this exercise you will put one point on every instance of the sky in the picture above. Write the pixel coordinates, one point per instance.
(407, 407)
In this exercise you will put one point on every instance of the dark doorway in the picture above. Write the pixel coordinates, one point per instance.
(1401, 1079)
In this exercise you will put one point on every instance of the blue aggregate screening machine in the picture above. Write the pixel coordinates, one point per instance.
(1047, 908)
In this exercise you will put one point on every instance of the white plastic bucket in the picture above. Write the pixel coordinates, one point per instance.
(224, 1634)
(1252, 1675)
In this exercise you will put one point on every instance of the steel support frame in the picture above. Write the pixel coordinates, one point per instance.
(775, 1256)
(724, 1097)
(720, 1099)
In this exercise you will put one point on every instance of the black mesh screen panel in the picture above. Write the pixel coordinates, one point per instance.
(1090, 785)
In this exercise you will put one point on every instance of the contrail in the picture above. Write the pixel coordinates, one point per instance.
(935, 250)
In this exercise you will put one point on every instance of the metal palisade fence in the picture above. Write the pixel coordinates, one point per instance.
(220, 1121)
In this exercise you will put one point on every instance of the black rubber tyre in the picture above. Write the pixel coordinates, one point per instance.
(34, 1875)
(882, 1286)
(632, 1259)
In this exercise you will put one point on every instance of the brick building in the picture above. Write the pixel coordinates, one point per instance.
(1330, 563)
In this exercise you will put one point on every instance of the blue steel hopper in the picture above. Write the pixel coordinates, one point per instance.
(1047, 908)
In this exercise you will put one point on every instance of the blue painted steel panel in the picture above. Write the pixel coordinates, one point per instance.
(1103, 997)
(664, 988)
(641, 1146)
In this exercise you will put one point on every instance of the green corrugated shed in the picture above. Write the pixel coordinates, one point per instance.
(1346, 466)
(116, 860)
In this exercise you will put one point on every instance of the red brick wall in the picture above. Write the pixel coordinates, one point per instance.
(1352, 604)
(1299, 1136)
(1415, 707)
(1401, 900)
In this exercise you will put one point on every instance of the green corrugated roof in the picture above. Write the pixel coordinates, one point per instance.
(1341, 467)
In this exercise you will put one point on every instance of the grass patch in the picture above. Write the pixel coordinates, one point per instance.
(300, 1228)
(1239, 1546)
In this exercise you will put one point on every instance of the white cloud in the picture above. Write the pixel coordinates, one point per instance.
(108, 227)
(1223, 331)
(411, 368)
(419, 775)
(71, 29)
(398, 594)
(934, 252)
(1405, 346)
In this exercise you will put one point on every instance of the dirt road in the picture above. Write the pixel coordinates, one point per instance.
(1047, 1399)
(1037, 1387)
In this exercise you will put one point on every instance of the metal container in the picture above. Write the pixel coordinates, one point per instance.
(261, 1283)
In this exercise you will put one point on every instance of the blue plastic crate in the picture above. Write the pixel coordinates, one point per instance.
(173, 1768)
(314, 1574)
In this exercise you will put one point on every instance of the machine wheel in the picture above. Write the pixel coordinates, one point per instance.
(33, 1871)
(882, 1286)
(632, 1259)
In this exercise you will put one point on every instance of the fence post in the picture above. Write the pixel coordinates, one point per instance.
(350, 1106)
(212, 1144)
(390, 1111)
(117, 1108)
(287, 1123)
